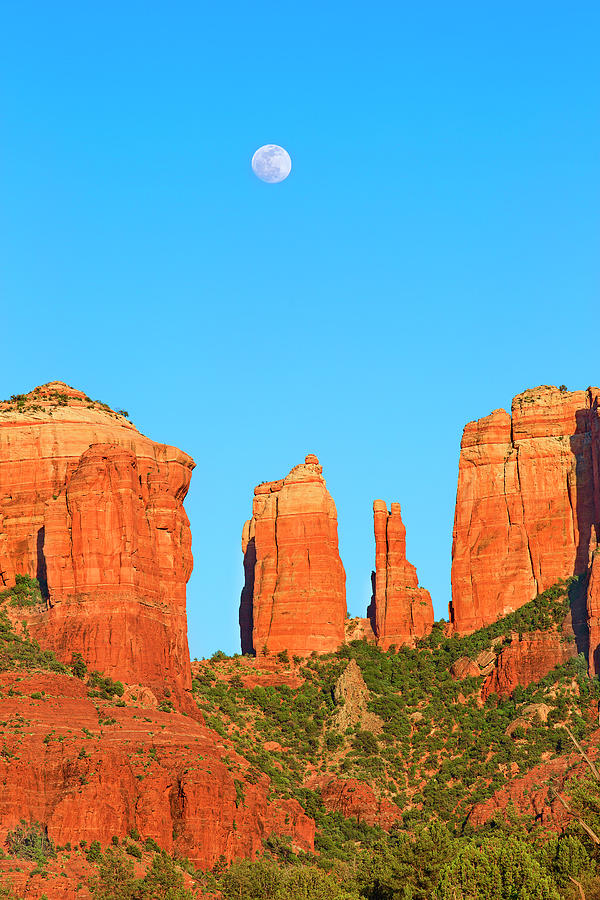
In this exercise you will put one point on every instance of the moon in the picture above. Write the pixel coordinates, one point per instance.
(271, 163)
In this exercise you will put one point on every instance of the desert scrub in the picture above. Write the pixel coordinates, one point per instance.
(25, 593)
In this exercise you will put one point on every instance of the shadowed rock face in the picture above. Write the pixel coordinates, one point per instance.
(294, 596)
(401, 612)
(95, 510)
(593, 615)
(528, 502)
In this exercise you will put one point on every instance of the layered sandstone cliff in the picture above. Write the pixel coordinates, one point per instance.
(401, 612)
(527, 659)
(88, 770)
(94, 510)
(593, 615)
(528, 502)
(294, 597)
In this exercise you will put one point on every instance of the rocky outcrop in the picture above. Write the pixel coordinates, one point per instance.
(593, 615)
(527, 659)
(294, 597)
(351, 696)
(401, 612)
(87, 771)
(534, 795)
(465, 667)
(357, 800)
(528, 502)
(94, 510)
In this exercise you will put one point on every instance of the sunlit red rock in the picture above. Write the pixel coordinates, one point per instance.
(94, 510)
(401, 612)
(357, 800)
(527, 659)
(528, 502)
(593, 615)
(90, 773)
(294, 596)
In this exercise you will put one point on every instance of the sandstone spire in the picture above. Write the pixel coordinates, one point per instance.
(294, 596)
(401, 612)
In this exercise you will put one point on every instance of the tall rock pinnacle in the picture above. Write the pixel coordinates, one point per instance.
(294, 596)
(401, 612)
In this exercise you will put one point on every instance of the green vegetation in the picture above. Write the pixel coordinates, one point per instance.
(103, 687)
(18, 652)
(115, 879)
(78, 666)
(439, 751)
(25, 593)
(434, 751)
(543, 613)
(431, 864)
(30, 841)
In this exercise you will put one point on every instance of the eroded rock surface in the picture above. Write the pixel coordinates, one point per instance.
(593, 615)
(294, 597)
(528, 502)
(94, 510)
(528, 659)
(90, 771)
(401, 612)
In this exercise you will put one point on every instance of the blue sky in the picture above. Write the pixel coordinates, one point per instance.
(433, 252)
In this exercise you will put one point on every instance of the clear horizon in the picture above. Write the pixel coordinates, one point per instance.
(432, 253)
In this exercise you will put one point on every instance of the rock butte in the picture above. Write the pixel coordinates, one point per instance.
(294, 597)
(94, 510)
(528, 502)
(401, 612)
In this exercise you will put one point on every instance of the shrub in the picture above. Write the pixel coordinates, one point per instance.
(151, 845)
(114, 880)
(365, 742)
(163, 881)
(104, 687)
(78, 665)
(25, 593)
(30, 841)
(94, 854)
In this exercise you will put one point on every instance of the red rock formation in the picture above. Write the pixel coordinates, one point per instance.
(401, 612)
(88, 774)
(95, 510)
(527, 660)
(294, 597)
(593, 615)
(528, 502)
(533, 795)
(356, 800)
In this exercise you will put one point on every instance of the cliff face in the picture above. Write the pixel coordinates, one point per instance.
(89, 771)
(526, 660)
(528, 502)
(94, 510)
(593, 615)
(294, 597)
(401, 612)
